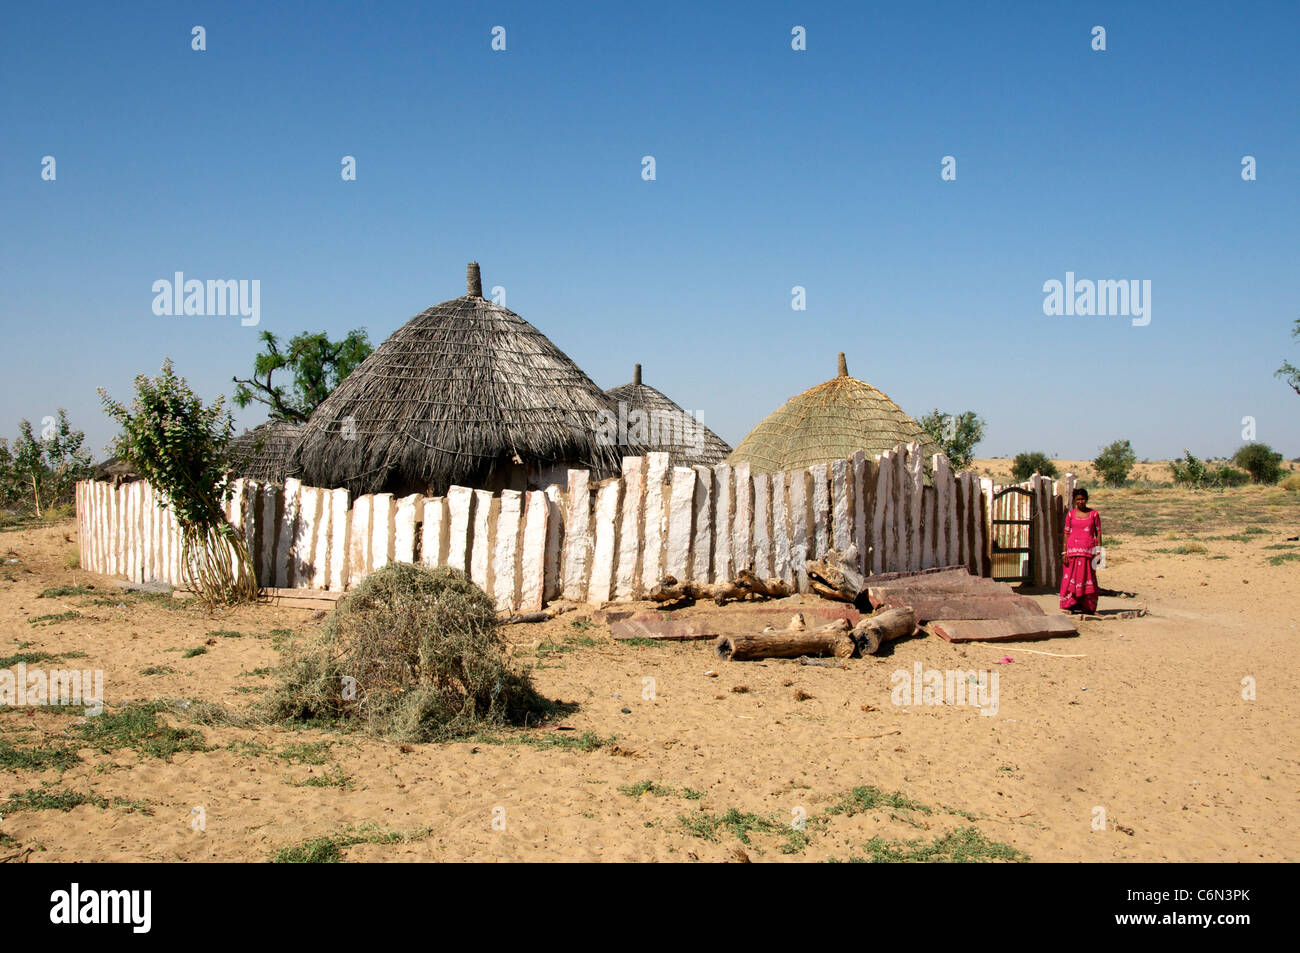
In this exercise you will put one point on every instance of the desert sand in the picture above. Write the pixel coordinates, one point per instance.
(1150, 725)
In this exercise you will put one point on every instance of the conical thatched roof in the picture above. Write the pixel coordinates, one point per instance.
(263, 452)
(832, 420)
(667, 427)
(466, 392)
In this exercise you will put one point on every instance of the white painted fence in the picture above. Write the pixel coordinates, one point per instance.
(610, 541)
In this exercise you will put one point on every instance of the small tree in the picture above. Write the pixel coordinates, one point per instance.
(1261, 461)
(178, 445)
(318, 365)
(1114, 462)
(1288, 371)
(1190, 471)
(43, 470)
(956, 434)
(1027, 464)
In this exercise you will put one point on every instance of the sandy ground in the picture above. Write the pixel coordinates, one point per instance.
(1149, 726)
(1152, 471)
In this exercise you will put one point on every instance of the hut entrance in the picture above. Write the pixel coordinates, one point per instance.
(1013, 529)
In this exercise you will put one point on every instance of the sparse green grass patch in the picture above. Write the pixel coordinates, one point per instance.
(329, 849)
(137, 727)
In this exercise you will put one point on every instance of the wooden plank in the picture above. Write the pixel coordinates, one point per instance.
(1018, 629)
(666, 631)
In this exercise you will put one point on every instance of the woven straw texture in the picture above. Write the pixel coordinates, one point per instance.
(463, 390)
(263, 452)
(825, 423)
(637, 396)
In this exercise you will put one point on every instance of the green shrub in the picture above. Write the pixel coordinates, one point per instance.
(1230, 476)
(1190, 471)
(1027, 464)
(412, 653)
(1292, 483)
(1261, 461)
(1114, 462)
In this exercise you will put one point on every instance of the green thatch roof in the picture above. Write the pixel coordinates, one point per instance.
(263, 452)
(832, 420)
(666, 427)
(466, 392)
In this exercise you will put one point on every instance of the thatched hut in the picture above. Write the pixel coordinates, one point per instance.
(826, 422)
(263, 452)
(645, 420)
(466, 392)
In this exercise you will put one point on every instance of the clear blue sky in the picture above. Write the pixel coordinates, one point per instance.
(775, 168)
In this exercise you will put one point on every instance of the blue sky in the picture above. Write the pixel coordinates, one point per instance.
(775, 168)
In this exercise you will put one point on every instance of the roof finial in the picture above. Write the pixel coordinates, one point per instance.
(844, 366)
(636, 373)
(473, 281)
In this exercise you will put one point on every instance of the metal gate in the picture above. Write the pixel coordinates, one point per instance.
(1013, 530)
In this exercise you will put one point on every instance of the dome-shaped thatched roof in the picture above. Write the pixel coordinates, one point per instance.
(667, 427)
(466, 392)
(263, 452)
(832, 420)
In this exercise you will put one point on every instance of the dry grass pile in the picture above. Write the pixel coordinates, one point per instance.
(412, 654)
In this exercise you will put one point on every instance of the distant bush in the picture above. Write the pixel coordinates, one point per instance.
(1027, 464)
(1190, 471)
(1230, 476)
(1292, 483)
(1261, 461)
(413, 654)
(1114, 462)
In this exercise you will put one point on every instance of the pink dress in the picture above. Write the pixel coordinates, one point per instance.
(1078, 578)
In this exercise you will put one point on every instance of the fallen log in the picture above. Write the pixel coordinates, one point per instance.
(543, 616)
(745, 586)
(836, 576)
(833, 639)
(874, 631)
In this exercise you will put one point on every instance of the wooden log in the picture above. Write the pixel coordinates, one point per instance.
(874, 631)
(745, 586)
(832, 639)
(836, 576)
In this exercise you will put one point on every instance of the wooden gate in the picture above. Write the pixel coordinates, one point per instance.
(1013, 531)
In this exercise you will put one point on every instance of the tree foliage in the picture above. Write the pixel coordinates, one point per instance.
(316, 364)
(178, 445)
(43, 470)
(1028, 463)
(1288, 371)
(1262, 462)
(1114, 462)
(957, 434)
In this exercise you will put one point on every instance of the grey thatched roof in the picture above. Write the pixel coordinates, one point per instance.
(668, 427)
(461, 391)
(263, 452)
(832, 420)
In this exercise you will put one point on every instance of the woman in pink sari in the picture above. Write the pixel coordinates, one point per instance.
(1082, 539)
